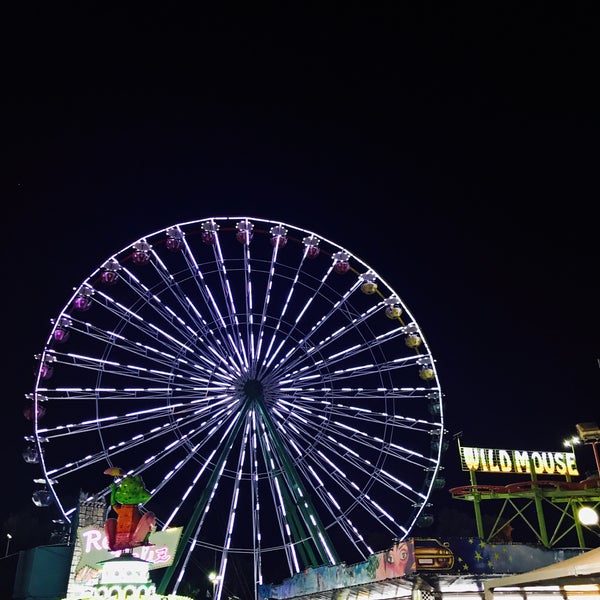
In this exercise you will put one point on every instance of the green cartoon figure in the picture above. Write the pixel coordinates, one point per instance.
(130, 528)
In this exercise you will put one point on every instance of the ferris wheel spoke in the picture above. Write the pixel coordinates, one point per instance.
(219, 329)
(222, 429)
(341, 517)
(326, 410)
(206, 316)
(271, 352)
(232, 327)
(255, 500)
(297, 317)
(171, 345)
(124, 445)
(265, 311)
(351, 373)
(201, 330)
(357, 434)
(132, 347)
(145, 304)
(305, 340)
(354, 446)
(354, 349)
(292, 520)
(344, 498)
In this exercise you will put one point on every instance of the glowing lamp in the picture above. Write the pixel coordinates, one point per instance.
(587, 516)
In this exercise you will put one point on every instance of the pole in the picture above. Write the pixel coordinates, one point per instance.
(595, 449)
(8, 538)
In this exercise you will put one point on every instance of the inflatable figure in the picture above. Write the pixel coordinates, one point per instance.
(130, 528)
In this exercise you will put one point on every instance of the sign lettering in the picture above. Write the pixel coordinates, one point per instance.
(490, 460)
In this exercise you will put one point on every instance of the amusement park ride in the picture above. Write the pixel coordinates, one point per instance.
(525, 500)
(278, 397)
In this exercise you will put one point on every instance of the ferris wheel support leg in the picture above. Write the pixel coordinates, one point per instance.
(477, 506)
(539, 509)
(578, 527)
(199, 509)
(318, 532)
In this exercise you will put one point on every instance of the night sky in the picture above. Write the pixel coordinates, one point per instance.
(452, 148)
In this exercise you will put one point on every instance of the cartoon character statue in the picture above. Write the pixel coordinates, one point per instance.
(130, 528)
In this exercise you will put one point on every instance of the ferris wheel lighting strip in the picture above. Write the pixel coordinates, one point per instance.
(332, 464)
(356, 408)
(158, 372)
(172, 444)
(333, 500)
(301, 313)
(293, 428)
(296, 406)
(168, 336)
(236, 350)
(114, 334)
(295, 447)
(215, 307)
(395, 479)
(299, 418)
(352, 369)
(381, 509)
(93, 360)
(275, 353)
(327, 550)
(410, 452)
(353, 429)
(343, 352)
(390, 333)
(102, 420)
(347, 449)
(306, 378)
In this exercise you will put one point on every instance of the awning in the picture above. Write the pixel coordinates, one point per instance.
(584, 568)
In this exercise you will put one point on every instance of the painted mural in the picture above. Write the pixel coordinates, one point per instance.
(398, 561)
(461, 556)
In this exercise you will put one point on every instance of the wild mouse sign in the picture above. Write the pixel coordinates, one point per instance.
(520, 462)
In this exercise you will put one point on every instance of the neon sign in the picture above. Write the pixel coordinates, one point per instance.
(159, 553)
(523, 462)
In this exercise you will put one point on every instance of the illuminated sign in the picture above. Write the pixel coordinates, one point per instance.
(159, 553)
(522, 462)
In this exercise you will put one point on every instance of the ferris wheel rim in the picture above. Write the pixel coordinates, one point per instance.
(226, 386)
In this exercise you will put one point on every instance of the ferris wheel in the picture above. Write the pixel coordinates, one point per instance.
(274, 392)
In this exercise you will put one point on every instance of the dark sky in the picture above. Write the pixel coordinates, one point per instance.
(453, 148)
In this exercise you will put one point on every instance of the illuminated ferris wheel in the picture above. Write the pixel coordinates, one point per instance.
(274, 392)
